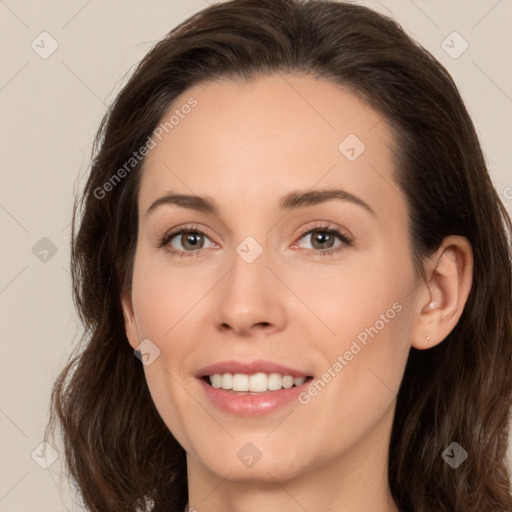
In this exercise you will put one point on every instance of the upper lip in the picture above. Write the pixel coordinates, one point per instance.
(249, 368)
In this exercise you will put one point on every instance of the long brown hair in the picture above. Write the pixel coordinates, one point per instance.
(117, 449)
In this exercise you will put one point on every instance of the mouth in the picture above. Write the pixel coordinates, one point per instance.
(254, 384)
(252, 388)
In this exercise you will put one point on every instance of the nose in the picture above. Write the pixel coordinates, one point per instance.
(250, 299)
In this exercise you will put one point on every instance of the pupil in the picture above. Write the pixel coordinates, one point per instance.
(192, 238)
(320, 238)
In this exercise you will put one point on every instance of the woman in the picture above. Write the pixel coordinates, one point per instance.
(272, 373)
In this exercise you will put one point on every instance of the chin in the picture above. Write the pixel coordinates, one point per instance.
(248, 464)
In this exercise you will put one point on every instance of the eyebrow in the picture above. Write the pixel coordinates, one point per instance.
(291, 201)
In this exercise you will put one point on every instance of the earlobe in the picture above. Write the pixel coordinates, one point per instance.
(449, 277)
(129, 321)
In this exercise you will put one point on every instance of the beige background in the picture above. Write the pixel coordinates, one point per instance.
(50, 110)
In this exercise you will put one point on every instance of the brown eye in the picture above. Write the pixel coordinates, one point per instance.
(184, 242)
(323, 240)
(191, 240)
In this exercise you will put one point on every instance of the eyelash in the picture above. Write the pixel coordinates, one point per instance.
(324, 228)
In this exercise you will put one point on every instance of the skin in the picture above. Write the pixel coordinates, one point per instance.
(246, 144)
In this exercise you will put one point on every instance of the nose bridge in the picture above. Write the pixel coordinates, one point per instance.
(249, 265)
(250, 296)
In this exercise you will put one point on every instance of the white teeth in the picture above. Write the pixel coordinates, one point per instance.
(287, 382)
(299, 380)
(216, 380)
(227, 381)
(275, 381)
(256, 383)
(240, 382)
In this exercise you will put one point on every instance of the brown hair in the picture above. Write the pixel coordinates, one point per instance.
(117, 448)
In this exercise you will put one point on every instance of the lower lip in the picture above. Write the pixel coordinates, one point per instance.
(252, 405)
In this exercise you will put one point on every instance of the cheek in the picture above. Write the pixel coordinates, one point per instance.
(162, 295)
(173, 404)
(369, 313)
(166, 304)
(366, 296)
(365, 364)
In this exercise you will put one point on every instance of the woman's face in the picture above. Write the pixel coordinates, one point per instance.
(264, 285)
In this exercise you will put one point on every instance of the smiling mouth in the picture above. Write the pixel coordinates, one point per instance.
(254, 384)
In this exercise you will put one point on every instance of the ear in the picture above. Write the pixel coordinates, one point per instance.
(129, 320)
(449, 275)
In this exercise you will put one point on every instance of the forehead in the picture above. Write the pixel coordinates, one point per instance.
(254, 140)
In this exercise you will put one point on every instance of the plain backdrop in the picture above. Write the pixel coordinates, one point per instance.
(51, 106)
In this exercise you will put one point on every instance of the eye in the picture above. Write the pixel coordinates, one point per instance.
(323, 239)
(185, 240)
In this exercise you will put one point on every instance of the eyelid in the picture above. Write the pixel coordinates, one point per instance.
(345, 237)
(327, 226)
(171, 233)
